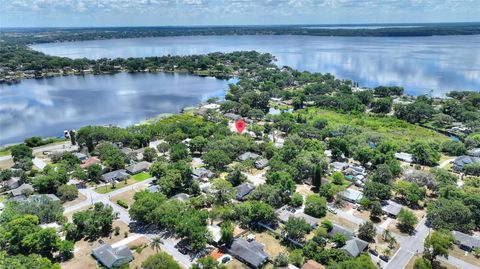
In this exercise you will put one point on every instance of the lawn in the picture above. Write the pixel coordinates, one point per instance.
(108, 187)
(5, 152)
(396, 129)
(141, 176)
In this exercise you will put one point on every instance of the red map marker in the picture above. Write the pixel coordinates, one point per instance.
(240, 125)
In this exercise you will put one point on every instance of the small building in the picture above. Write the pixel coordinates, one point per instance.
(311, 264)
(82, 157)
(248, 156)
(12, 183)
(474, 152)
(391, 208)
(285, 212)
(22, 189)
(180, 197)
(339, 166)
(404, 157)
(243, 190)
(118, 175)
(350, 195)
(202, 173)
(231, 116)
(465, 241)
(250, 253)
(138, 168)
(354, 247)
(50, 196)
(341, 230)
(260, 164)
(215, 232)
(112, 257)
(153, 188)
(89, 162)
(460, 162)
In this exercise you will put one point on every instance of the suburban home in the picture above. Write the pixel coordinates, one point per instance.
(243, 190)
(350, 195)
(339, 166)
(260, 164)
(474, 152)
(465, 241)
(285, 212)
(339, 229)
(354, 247)
(22, 189)
(52, 197)
(248, 156)
(390, 208)
(12, 183)
(404, 157)
(89, 162)
(118, 175)
(153, 188)
(138, 168)
(215, 232)
(460, 162)
(201, 173)
(231, 116)
(180, 197)
(250, 253)
(112, 257)
(80, 156)
(311, 264)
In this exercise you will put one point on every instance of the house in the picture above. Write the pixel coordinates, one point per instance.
(460, 162)
(338, 166)
(350, 195)
(231, 116)
(285, 212)
(243, 190)
(201, 173)
(339, 229)
(404, 157)
(465, 241)
(250, 253)
(12, 183)
(112, 257)
(138, 168)
(153, 188)
(474, 152)
(52, 197)
(22, 189)
(248, 156)
(115, 175)
(126, 150)
(354, 247)
(215, 232)
(391, 208)
(89, 162)
(260, 164)
(311, 264)
(80, 156)
(181, 197)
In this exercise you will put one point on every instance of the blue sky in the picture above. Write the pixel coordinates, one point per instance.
(77, 13)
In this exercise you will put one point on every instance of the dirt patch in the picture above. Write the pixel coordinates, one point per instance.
(341, 221)
(126, 197)
(6, 164)
(236, 264)
(79, 199)
(304, 189)
(141, 251)
(272, 246)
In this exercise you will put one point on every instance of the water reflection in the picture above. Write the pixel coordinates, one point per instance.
(420, 64)
(48, 106)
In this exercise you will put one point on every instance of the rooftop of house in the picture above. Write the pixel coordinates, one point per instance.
(181, 197)
(311, 264)
(351, 195)
(354, 246)
(261, 163)
(390, 207)
(138, 167)
(24, 187)
(342, 230)
(111, 257)
(88, 162)
(250, 252)
(243, 190)
(115, 175)
(201, 173)
(474, 152)
(216, 233)
(285, 212)
(466, 240)
(403, 156)
(463, 160)
(248, 156)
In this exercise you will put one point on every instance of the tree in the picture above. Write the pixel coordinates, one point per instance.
(94, 172)
(376, 191)
(383, 174)
(224, 191)
(208, 262)
(158, 169)
(450, 214)
(67, 192)
(317, 176)
(382, 105)
(43, 207)
(437, 244)
(296, 228)
(197, 144)
(454, 147)
(410, 191)
(79, 174)
(407, 220)
(281, 260)
(163, 147)
(296, 200)
(217, 159)
(95, 221)
(149, 154)
(160, 261)
(236, 177)
(315, 206)
(178, 152)
(20, 152)
(296, 257)
(366, 231)
(66, 248)
(339, 239)
(282, 180)
(156, 243)
(421, 263)
(143, 209)
(375, 210)
(226, 231)
(26, 262)
(338, 178)
(424, 154)
(255, 211)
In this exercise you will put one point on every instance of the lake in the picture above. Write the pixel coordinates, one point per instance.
(46, 107)
(422, 65)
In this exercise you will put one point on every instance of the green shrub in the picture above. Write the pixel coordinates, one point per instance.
(122, 203)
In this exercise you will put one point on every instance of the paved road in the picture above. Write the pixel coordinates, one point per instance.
(460, 263)
(446, 162)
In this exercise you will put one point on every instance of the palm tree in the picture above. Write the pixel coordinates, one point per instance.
(386, 235)
(156, 242)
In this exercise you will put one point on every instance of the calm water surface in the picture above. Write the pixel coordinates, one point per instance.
(46, 107)
(420, 64)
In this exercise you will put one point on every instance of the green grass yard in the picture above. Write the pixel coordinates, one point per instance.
(133, 179)
(141, 176)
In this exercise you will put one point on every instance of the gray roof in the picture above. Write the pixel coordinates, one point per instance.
(13, 183)
(21, 188)
(111, 257)
(153, 188)
(202, 173)
(284, 213)
(351, 195)
(466, 240)
(342, 230)
(248, 156)
(138, 167)
(403, 156)
(339, 166)
(262, 163)
(231, 116)
(181, 197)
(461, 161)
(474, 152)
(80, 155)
(243, 190)
(51, 196)
(115, 175)
(354, 247)
(249, 252)
(391, 208)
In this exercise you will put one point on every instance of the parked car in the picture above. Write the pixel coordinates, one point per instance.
(384, 258)
(373, 251)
